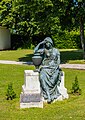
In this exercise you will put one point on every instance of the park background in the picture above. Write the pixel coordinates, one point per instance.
(29, 22)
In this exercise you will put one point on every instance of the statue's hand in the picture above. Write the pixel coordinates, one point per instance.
(41, 51)
(43, 42)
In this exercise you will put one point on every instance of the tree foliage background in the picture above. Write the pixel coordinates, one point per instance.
(30, 21)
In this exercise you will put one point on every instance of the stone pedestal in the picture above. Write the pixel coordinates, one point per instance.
(62, 89)
(31, 94)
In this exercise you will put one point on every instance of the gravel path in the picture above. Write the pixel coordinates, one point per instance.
(74, 66)
(14, 62)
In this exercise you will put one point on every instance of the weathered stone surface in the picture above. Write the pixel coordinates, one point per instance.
(31, 104)
(62, 88)
(31, 93)
(25, 98)
(32, 83)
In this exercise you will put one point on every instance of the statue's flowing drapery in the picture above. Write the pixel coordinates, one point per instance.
(50, 74)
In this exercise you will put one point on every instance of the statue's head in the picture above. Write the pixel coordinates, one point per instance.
(48, 39)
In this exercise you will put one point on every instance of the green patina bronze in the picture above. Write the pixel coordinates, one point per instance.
(50, 73)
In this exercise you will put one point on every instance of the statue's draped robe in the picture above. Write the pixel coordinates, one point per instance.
(50, 74)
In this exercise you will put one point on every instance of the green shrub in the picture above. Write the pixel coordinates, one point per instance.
(67, 40)
(10, 92)
(75, 87)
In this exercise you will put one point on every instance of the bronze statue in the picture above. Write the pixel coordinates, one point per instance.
(49, 71)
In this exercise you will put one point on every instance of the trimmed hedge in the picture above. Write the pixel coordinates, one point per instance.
(62, 40)
(67, 40)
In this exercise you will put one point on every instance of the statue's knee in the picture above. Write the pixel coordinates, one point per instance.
(41, 76)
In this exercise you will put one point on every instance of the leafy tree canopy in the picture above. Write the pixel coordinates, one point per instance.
(41, 17)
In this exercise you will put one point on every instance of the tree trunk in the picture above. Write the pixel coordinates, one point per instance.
(82, 35)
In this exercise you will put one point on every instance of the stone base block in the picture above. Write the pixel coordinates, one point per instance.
(31, 104)
(61, 88)
(30, 100)
(25, 98)
(31, 94)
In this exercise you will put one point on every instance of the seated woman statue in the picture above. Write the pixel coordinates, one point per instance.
(50, 73)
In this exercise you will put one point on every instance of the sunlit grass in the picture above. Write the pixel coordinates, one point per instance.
(76, 61)
(67, 55)
(72, 108)
(16, 55)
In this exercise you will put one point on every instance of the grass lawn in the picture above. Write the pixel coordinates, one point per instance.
(16, 55)
(67, 55)
(72, 108)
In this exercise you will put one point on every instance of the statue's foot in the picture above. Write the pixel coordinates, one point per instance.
(49, 101)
